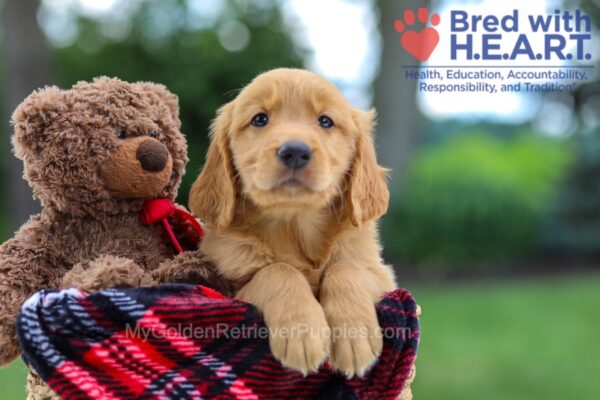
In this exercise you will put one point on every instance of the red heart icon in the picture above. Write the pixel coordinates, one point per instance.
(420, 44)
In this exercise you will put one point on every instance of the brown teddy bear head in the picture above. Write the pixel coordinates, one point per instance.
(100, 148)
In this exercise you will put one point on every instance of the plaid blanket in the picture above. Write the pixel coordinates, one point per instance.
(189, 342)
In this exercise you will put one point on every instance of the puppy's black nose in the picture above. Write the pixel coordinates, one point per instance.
(152, 155)
(294, 154)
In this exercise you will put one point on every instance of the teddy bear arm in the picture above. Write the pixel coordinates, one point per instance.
(106, 271)
(25, 268)
(11, 301)
(192, 267)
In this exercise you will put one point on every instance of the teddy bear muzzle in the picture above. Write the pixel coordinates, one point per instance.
(139, 168)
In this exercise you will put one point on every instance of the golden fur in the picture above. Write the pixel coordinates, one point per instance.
(306, 254)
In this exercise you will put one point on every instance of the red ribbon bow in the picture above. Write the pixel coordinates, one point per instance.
(155, 210)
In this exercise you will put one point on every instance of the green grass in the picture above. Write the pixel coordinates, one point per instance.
(12, 381)
(496, 341)
(533, 340)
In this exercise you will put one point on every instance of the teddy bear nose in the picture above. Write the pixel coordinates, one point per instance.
(152, 155)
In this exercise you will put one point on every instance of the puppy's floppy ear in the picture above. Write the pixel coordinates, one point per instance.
(368, 194)
(213, 195)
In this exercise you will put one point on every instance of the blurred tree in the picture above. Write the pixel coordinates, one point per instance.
(25, 68)
(399, 118)
(587, 96)
(574, 230)
(395, 96)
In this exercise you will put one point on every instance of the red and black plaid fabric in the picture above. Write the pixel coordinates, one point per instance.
(189, 342)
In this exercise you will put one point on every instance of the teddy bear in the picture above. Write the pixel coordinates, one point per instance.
(94, 156)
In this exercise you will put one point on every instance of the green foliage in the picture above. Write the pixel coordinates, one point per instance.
(475, 198)
(592, 8)
(165, 45)
(4, 225)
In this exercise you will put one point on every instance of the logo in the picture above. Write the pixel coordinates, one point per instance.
(506, 50)
(420, 44)
(563, 35)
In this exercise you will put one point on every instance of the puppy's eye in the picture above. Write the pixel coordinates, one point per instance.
(325, 122)
(153, 134)
(121, 134)
(260, 120)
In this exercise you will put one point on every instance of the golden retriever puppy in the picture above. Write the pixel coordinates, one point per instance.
(290, 193)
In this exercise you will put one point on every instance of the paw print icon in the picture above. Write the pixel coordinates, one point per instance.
(420, 44)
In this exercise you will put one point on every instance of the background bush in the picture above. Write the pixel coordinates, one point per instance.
(475, 198)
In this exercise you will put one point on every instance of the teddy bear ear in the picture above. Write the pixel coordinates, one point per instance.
(34, 115)
(169, 99)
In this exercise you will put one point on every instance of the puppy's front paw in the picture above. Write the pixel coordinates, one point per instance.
(357, 342)
(300, 339)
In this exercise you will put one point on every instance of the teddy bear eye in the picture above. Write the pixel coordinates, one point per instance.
(153, 134)
(121, 134)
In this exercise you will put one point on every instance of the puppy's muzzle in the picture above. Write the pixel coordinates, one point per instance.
(294, 154)
(152, 155)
